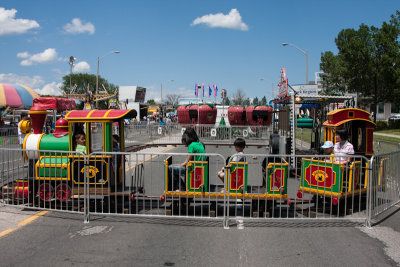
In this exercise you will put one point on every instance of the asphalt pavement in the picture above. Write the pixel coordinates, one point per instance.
(64, 240)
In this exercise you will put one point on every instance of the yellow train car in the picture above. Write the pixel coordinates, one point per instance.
(197, 185)
(336, 182)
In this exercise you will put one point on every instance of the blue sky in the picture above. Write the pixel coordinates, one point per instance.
(230, 43)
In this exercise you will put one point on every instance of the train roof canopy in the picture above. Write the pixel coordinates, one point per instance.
(100, 115)
(339, 116)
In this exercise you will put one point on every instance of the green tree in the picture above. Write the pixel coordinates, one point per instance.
(255, 101)
(151, 102)
(367, 63)
(263, 101)
(246, 102)
(332, 78)
(83, 81)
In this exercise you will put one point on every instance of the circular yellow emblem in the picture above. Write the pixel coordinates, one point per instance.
(92, 170)
(319, 175)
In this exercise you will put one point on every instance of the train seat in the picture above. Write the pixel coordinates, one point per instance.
(237, 182)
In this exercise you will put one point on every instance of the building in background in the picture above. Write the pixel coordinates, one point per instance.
(133, 97)
(132, 94)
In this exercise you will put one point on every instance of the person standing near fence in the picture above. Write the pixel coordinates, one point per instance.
(21, 134)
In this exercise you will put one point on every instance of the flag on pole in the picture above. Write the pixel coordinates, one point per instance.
(215, 91)
(209, 91)
(202, 88)
(195, 90)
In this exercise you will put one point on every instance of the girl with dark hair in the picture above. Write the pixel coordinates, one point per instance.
(342, 147)
(191, 140)
(80, 142)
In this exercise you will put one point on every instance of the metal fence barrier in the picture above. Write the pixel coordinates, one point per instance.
(249, 187)
(386, 147)
(153, 185)
(51, 180)
(9, 137)
(384, 184)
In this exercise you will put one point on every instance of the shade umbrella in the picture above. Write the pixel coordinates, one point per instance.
(16, 95)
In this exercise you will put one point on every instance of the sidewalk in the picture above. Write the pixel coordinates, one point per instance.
(388, 135)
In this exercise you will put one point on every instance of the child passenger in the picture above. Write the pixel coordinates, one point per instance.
(191, 140)
(328, 148)
(239, 144)
(80, 141)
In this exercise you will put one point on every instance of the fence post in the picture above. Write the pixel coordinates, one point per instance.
(226, 205)
(86, 190)
(369, 193)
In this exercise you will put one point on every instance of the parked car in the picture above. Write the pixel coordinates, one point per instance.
(394, 117)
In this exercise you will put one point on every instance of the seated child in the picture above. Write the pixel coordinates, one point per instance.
(239, 144)
(191, 140)
(328, 150)
(80, 141)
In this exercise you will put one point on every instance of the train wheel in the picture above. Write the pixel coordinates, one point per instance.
(63, 192)
(46, 192)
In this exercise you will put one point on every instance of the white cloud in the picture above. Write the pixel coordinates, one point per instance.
(76, 27)
(47, 56)
(33, 82)
(10, 25)
(23, 55)
(50, 89)
(231, 21)
(82, 66)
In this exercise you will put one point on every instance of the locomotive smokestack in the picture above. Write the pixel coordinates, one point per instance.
(38, 118)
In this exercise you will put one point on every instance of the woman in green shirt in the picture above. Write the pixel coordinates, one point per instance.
(191, 140)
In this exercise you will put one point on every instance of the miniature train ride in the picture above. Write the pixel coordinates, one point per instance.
(60, 175)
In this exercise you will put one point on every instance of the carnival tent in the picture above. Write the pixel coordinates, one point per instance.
(16, 95)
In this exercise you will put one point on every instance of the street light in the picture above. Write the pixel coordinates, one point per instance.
(97, 76)
(71, 63)
(302, 51)
(161, 90)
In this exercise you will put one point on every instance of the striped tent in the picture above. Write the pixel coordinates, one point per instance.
(16, 95)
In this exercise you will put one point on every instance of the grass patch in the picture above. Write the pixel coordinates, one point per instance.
(386, 138)
(390, 131)
(304, 134)
(385, 147)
